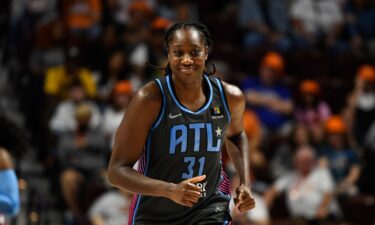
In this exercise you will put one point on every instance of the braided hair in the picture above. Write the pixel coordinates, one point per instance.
(201, 28)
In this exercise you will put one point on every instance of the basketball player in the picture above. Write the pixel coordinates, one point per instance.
(176, 126)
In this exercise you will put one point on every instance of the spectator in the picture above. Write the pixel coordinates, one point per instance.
(309, 190)
(253, 132)
(63, 118)
(117, 69)
(358, 17)
(82, 155)
(361, 104)
(59, 78)
(116, 11)
(9, 194)
(156, 54)
(282, 160)
(49, 47)
(177, 10)
(264, 22)
(311, 110)
(257, 216)
(315, 21)
(135, 38)
(114, 113)
(104, 47)
(117, 214)
(341, 159)
(83, 17)
(270, 99)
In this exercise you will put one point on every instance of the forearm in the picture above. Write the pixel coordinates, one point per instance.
(237, 147)
(126, 178)
(353, 175)
(269, 196)
(326, 200)
(284, 107)
(97, 220)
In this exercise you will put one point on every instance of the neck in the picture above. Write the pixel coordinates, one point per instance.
(192, 94)
(304, 174)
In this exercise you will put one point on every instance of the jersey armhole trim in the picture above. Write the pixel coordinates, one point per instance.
(162, 111)
(223, 96)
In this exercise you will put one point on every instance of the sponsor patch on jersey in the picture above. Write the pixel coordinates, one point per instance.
(216, 112)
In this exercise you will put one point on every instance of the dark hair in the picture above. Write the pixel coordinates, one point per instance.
(186, 25)
(203, 30)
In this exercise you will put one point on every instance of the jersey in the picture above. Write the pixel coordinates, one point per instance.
(183, 144)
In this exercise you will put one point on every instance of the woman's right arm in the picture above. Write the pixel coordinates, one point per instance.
(129, 144)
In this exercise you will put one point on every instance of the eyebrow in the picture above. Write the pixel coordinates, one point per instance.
(194, 45)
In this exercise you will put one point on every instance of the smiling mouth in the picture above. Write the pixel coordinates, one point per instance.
(187, 69)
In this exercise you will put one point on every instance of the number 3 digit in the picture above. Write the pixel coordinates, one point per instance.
(191, 161)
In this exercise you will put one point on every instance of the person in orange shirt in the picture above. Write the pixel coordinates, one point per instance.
(83, 15)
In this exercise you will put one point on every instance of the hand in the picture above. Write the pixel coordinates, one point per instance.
(244, 199)
(343, 187)
(321, 213)
(186, 193)
(81, 142)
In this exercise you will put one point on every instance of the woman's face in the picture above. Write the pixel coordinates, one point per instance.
(336, 141)
(187, 55)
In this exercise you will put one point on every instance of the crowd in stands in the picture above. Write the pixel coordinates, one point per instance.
(306, 67)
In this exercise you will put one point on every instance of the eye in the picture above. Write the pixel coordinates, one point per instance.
(178, 53)
(196, 52)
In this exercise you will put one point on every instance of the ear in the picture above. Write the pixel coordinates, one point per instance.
(206, 53)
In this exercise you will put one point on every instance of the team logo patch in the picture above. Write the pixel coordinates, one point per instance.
(216, 112)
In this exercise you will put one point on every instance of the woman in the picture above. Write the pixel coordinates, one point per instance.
(176, 126)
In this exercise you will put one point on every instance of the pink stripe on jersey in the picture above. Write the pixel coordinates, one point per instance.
(141, 169)
(224, 186)
(132, 208)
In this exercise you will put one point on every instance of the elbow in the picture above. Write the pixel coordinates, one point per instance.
(112, 176)
(10, 206)
(14, 210)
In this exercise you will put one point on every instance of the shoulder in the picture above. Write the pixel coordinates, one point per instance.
(149, 93)
(146, 103)
(231, 90)
(234, 95)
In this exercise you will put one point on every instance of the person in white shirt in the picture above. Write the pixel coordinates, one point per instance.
(111, 208)
(121, 94)
(309, 189)
(312, 20)
(63, 119)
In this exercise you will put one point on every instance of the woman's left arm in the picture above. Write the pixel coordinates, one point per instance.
(237, 146)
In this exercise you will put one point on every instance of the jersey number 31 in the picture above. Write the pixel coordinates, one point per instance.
(191, 164)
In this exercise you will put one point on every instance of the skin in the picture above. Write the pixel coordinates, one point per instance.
(5, 160)
(187, 54)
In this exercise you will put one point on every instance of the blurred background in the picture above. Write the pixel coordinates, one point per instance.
(68, 69)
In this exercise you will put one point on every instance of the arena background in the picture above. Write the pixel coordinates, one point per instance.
(69, 67)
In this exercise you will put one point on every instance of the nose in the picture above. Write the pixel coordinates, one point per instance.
(186, 59)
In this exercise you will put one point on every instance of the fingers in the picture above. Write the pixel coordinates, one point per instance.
(238, 198)
(190, 198)
(196, 179)
(246, 203)
(192, 193)
(191, 186)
